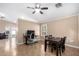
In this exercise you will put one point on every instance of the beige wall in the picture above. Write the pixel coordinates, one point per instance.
(24, 25)
(78, 28)
(65, 27)
(4, 24)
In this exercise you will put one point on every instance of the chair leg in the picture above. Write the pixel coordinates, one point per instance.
(51, 48)
(57, 51)
(63, 48)
(60, 49)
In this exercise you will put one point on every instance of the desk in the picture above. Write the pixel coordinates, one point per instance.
(55, 41)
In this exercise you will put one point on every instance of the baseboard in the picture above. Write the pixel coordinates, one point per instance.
(73, 46)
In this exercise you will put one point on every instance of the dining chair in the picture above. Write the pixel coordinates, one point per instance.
(63, 43)
(60, 46)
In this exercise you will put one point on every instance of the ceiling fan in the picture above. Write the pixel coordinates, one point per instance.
(38, 8)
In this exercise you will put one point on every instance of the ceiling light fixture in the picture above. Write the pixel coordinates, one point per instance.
(37, 10)
(58, 5)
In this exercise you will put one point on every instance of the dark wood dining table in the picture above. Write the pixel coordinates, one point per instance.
(56, 41)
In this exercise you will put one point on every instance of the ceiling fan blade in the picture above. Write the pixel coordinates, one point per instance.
(41, 12)
(44, 8)
(33, 12)
(30, 7)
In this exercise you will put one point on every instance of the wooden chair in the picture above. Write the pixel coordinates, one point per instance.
(63, 43)
(60, 46)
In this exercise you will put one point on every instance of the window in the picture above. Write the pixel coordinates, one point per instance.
(43, 29)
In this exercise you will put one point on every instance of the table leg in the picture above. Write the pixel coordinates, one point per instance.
(57, 51)
(60, 51)
(45, 45)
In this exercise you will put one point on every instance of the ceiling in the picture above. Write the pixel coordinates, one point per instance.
(13, 11)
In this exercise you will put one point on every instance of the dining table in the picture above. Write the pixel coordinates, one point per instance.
(56, 41)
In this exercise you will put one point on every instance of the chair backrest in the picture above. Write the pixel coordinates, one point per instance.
(46, 37)
(63, 40)
(50, 36)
